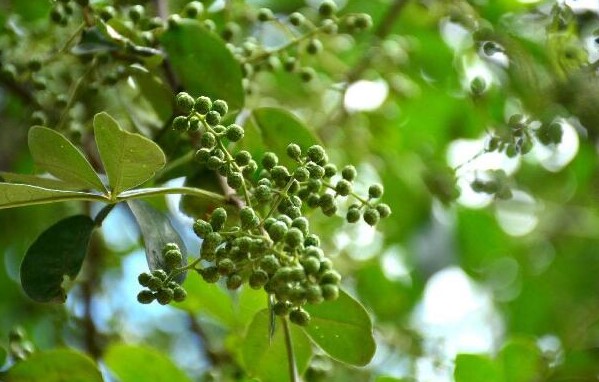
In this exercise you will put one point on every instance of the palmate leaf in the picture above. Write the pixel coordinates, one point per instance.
(58, 252)
(54, 153)
(129, 159)
(18, 195)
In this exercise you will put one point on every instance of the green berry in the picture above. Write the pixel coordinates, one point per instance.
(203, 105)
(353, 215)
(144, 279)
(316, 171)
(311, 265)
(329, 26)
(107, 13)
(294, 237)
(34, 64)
(371, 216)
(218, 218)
(297, 19)
(243, 158)
(160, 274)
(234, 281)
(314, 294)
(225, 266)
(258, 278)
(181, 123)
(299, 317)
(330, 292)
(313, 250)
(221, 107)
(210, 274)
(343, 187)
(327, 8)
(301, 223)
(235, 180)
(179, 294)
(248, 218)
(263, 194)
(290, 64)
(363, 21)
(193, 9)
(154, 283)
(375, 191)
(384, 210)
(172, 259)
(184, 102)
(234, 133)
(145, 297)
(173, 21)
(281, 308)
(330, 277)
(280, 174)
(314, 46)
(265, 14)
(294, 151)
(164, 296)
(269, 160)
(194, 124)
(277, 231)
(330, 170)
(213, 118)
(312, 240)
(478, 86)
(349, 173)
(327, 201)
(202, 155)
(270, 264)
(307, 74)
(208, 140)
(301, 174)
(250, 169)
(136, 12)
(214, 163)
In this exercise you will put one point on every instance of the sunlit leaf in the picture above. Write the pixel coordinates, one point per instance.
(476, 368)
(266, 358)
(18, 195)
(157, 231)
(54, 153)
(129, 159)
(39, 181)
(521, 360)
(58, 252)
(142, 364)
(58, 365)
(203, 63)
(343, 329)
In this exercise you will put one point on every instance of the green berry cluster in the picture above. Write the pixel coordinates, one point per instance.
(256, 57)
(269, 245)
(160, 283)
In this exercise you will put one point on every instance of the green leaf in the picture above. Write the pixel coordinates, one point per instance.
(343, 329)
(476, 368)
(129, 159)
(157, 231)
(385, 378)
(151, 87)
(3, 355)
(58, 252)
(54, 153)
(57, 365)
(40, 181)
(208, 299)
(266, 359)
(142, 364)
(203, 64)
(272, 129)
(18, 195)
(521, 360)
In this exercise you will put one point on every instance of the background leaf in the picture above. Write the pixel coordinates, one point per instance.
(343, 329)
(58, 365)
(521, 360)
(142, 364)
(54, 153)
(475, 368)
(203, 63)
(156, 230)
(129, 159)
(59, 251)
(267, 359)
(18, 195)
(272, 129)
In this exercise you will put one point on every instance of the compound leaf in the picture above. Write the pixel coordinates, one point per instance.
(57, 365)
(18, 195)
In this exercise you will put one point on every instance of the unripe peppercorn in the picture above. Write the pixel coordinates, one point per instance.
(210, 274)
(247, 217)
(235, 180)
(270, 264)
(290, 64)
(234, 133)
(384, 210)
(154, 283)
(136, 12)
(316, 171)
(160, 274)
(164, 296)
(179, 294)
(329, 26)
(311, 265)
(213, 118)
(281, 308)
(144, 279)
(269, 160)
(314, 46)
(330, 277)
(294, 151)
(312, 240)
(225, 266)
(208, 140)
(301, 174)
(371, 216)
(353, 215)
(265, 14)
(234, 282)
(307, 74)
(330, 292)
(258, 278)
(294, 237)
(277, 231)
(181, 123)
(218, 218)
(314, 294)
(299, 317)
(297, 19)
(242, 158)
(343, 187)
(221, 107)
(203, 105)
(145, 297)
(172, 259)
(327, 8)
(193, 9)
(375, 191)
(184, 102)
(363, 21)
